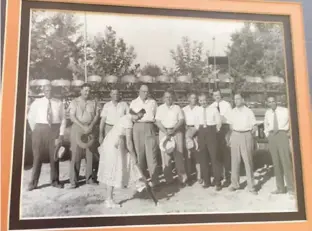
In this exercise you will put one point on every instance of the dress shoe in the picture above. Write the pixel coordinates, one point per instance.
(31, 187)
(254, 192)
(57, 185)
(73, 186)
(181, 184)
(278, 191)
(218, 188)
(189, 183)
(92, 182)
(200, 181)
(232, 189)
(205, 185)
(226, 183)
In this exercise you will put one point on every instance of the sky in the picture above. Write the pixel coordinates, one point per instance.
(154, 36)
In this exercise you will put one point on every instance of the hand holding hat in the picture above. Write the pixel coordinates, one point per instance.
(59, 150)
(167, 144)
(191, 143)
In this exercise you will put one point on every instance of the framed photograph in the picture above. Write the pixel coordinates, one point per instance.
(153, 115)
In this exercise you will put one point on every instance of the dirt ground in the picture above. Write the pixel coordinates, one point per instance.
(88, 200)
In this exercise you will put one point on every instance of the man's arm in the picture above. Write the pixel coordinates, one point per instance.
(154, 109)
(158, 121)
(161, 126)
(63, 119)
(32, 115)
(180, 122)
(127, 108)
(266, 124)
(96, 117)
(254, 122)
(284, 122)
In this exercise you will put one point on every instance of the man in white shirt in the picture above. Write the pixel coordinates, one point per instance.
(46, 118)
(170, 120)
(112, 111)
(190, 112)
(276, 127)
(144, 133)
(208, 123)
(224, 108)
(243, 126)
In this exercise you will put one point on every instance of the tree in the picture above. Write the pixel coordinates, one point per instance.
(112, 56)
(257, 50)
(152, 70)
(54, 43)
(189, 58)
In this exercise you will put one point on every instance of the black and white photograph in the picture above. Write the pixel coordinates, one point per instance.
(143, 115)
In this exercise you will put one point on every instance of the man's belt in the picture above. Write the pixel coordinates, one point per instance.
(48, 124)
(211, 125)
(242, 131)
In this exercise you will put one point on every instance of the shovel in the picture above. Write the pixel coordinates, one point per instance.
(148, 187)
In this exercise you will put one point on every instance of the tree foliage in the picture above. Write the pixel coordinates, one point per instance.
(54, 44)
(257, 50)
(112, 56)
(190, 58)
(152, 70)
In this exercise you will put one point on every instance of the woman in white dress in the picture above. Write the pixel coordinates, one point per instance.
(117, 165)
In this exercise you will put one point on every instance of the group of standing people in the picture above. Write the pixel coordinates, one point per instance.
(129, 144)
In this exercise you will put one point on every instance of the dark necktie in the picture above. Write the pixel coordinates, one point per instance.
(205, 117)
(275, 122)
(49, 113)
(218, 107)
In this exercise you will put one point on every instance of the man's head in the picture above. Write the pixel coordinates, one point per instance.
(47, 91)
(168, 97)
(203, 100)
(192, 98)
(217, 95)
(238, 100)
(144, 92)
(85, 91)
(272, 102)
(115, 96)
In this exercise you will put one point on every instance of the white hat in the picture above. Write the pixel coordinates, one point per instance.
(59, 152)
(167, 145)
(191, 143)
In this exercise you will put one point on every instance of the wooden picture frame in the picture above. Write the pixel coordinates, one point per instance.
(13, 91)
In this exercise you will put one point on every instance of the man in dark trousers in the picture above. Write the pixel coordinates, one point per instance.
(47, 121)
(208, 123)
(224, 151)
(276, 127)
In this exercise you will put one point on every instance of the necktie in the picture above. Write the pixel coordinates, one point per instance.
(275, 122)
(205, 117)
(218, 107)
(49, 113)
